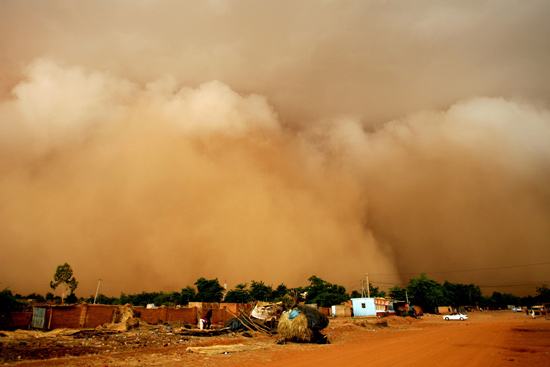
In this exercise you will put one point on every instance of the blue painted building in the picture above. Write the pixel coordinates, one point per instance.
(363, 307)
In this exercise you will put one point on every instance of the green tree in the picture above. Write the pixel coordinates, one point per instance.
(457, 294)
(324, 293)
(187, 295)
(209, 290)
(238, 295)
(35, 297)
(376, 291)
(426, 293)
(8, 303)
(543, 294)
(64, 277)
(500, 300)
(259, 291)
(71, 298)
(102, 299)
(355, 294)
(398, 293)
(167, 299)
(280, 292)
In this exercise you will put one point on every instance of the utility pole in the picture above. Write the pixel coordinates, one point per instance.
(368, 286)
(406, 295)
(97, 290)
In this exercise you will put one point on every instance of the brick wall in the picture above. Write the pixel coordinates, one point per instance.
(152, 315)
(91, 316)
(20, 320)
(187, 315)
(94, 315)
(63, 317)
(183, 315)
(220, 316)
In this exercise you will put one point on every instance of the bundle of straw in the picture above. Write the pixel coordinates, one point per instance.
(295, 329)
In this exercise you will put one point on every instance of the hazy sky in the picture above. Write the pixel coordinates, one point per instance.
(150, 143)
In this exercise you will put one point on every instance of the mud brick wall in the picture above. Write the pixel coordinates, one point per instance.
(151, 316)
(183, 315)
(220, 316)
(186, 315)
(95, 315)
(20, 320)
(236, 308)
(63, 317)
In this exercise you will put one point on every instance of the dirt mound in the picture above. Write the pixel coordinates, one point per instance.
(400, 321)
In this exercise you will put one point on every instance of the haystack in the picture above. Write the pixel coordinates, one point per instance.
(303, 324)
(295, 329)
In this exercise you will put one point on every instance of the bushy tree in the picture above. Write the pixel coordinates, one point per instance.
(259, 291)
(457, 294)
(324, 293)
(355, 294)
(35, 297)
(374, 292)
(64, 277)
(103, 300)
(238, 295)
(209, 290)
(398, 293)
(426, 293)
(8, 303)
(543, 294)
(187, 295)
(279, 292)
(71, 298)
(500, 300)
(167, 299)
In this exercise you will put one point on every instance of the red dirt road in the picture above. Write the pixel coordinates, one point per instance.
(487, 339)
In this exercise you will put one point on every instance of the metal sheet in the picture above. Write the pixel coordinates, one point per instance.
(38, 317)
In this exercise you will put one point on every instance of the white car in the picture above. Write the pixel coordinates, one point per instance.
(455, 316)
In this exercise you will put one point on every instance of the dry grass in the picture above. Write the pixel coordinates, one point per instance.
(295, 329)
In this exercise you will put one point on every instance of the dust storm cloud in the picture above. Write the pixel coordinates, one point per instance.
(149, 144)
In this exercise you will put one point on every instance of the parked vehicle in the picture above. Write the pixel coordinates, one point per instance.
(517, 309)
(455, 317)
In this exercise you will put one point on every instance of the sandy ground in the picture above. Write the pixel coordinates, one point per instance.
(487, 339)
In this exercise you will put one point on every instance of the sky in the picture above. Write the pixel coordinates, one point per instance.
(151, 143)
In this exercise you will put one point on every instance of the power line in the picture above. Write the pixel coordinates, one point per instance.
(465, 270)
(534, 283)
(514, 285)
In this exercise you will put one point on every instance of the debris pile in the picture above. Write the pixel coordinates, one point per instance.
(243, 322)
(124, 319)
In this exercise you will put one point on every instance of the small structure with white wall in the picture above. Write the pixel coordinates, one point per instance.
(363, 307)
(340, 310)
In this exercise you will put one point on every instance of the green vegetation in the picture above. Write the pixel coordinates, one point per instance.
(324, 293)
(421, 291)
(8, 303)
(64, 277)
(209, 290)
(238, 295)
